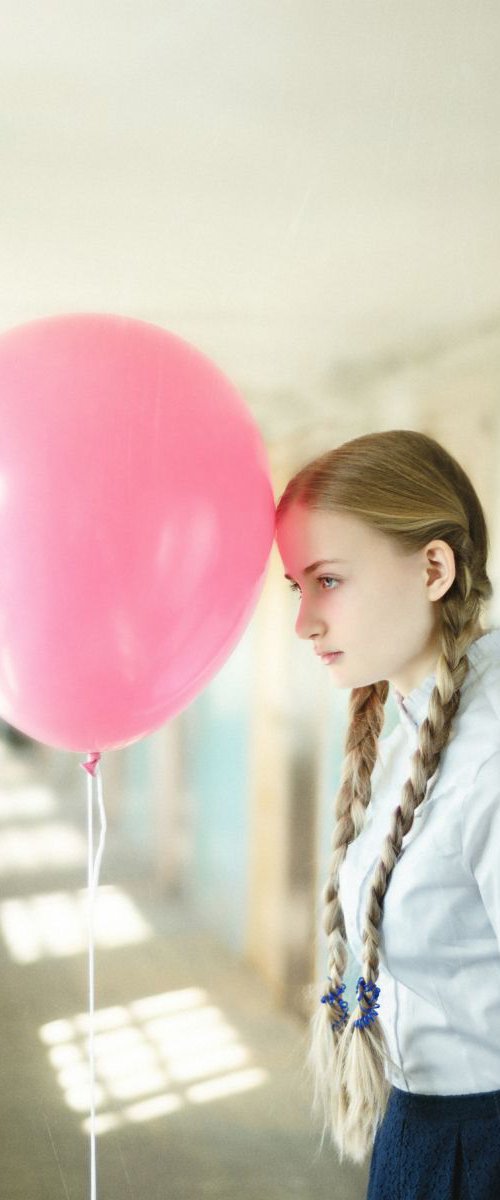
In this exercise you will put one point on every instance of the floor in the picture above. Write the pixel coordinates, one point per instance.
(199, 1083)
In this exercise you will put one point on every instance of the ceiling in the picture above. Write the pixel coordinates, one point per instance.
(304, 190)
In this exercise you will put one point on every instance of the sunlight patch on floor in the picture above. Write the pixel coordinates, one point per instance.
(54, 844)
(153, 1056)
(31, 801)
(55, 924)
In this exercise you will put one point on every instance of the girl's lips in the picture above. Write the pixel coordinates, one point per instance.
(329, 658)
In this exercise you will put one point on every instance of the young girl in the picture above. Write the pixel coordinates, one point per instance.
(384, 539)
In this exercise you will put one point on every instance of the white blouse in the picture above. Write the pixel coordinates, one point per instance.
(439, 974)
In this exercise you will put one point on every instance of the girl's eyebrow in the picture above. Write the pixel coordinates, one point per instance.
(322, 562)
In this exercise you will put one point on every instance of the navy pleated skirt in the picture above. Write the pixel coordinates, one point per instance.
(431, 1147)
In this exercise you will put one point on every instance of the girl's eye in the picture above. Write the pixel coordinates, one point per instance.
(321, 579)
(328, 579)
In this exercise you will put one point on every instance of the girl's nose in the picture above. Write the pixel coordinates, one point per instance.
(307, 624)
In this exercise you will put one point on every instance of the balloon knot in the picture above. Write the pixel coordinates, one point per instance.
(92, 763)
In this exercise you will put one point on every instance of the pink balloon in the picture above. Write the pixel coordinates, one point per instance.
(137, 519)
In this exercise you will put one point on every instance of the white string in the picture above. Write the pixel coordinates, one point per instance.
(93, 869)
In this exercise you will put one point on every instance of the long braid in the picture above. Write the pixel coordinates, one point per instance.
(366, 719)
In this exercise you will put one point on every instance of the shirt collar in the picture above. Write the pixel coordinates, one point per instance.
(413, 708)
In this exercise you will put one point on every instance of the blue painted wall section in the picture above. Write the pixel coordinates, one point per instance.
(217, 741)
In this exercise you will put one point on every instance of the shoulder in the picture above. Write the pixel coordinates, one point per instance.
(471, 757)
(476, 728)
(477, 749)
(485, 684)
(480, 813)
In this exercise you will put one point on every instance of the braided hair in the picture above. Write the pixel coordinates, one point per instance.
(407, 486)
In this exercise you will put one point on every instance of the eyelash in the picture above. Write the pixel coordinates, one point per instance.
(321, 578)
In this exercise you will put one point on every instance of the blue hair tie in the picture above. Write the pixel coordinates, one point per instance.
(369, 993)
(333, 997)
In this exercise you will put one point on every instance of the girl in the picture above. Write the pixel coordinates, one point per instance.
(385, 540)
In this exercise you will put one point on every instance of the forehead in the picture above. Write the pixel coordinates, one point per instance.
(306, 534)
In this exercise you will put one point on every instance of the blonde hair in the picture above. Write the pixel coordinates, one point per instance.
(407, 486)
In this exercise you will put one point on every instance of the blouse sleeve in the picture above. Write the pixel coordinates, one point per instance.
(481, 835)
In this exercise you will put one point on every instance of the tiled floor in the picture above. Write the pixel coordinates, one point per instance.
(199, 1085)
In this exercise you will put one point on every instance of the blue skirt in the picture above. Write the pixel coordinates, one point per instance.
(437, 1146)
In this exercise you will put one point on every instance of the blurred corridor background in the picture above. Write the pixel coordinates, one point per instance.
(309, 193)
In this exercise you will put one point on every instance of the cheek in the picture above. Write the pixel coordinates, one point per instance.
(369, 612)
(385, 597)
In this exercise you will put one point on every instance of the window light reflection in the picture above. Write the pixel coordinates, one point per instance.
(55, 924)
(39, 847)
(142, 1065)
(30, 801)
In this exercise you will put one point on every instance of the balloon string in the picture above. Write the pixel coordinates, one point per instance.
(92, 768)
